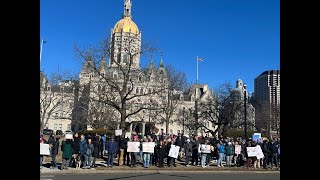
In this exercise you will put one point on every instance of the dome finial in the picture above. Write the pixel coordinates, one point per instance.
(161, 61)
(127, 9)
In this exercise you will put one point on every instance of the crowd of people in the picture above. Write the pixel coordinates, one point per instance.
(83, 151)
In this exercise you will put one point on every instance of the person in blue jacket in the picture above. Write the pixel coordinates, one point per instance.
(112, 149)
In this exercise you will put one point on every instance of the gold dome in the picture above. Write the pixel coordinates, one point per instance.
(126, 25)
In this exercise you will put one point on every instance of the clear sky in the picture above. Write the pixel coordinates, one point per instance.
(236, 38)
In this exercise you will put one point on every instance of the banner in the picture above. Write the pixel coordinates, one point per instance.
(44, 149)
(69, 136)
(174, 151)
(205, 148)
(148, 147)
(118, 132)
(133, 147)
(237, 149)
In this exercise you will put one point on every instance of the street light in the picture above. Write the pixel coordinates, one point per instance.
(245, 111)
(183, 120)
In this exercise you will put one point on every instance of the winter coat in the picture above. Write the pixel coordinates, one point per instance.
(96, 150)
(66, 149)
(221, 148)
(229, 150)
(265, 148)
(55, 148)
(88, 149)
(273, 147)
(179, 142)
(83, 144)
(76, 145)
(161, 150)
(188, 148)
(112, 147)
(195, 146)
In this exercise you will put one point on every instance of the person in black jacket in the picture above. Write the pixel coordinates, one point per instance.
(126, 154)
(179, 142)
(195, 146)
(96, 150)
(54, 151)
(161, 151)
(273, 153)
(76, 148)
(266, 152)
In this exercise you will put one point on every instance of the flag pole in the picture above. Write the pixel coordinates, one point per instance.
(41, 48)
(197, 71)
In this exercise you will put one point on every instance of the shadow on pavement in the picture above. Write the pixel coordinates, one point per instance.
(131, 176)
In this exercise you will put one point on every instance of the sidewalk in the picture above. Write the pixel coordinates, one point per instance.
(102, 169)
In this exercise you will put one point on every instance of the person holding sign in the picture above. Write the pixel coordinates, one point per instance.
(134, 155)
(205, 150)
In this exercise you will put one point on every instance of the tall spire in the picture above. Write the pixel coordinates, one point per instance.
(161, 61)
(127, 9)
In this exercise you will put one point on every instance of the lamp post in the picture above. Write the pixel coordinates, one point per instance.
(245, 111)
(183, 120)
(149, 112)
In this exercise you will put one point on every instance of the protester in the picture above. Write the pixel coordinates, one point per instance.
(229, 153)
(88, 151)
(112, 149)
(66, 149)
(54, 152)
(188, 151)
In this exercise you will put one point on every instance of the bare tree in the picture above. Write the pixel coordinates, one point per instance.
(118, 91)
(56, 95)
(171, 99)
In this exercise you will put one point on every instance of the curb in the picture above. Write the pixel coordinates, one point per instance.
(73, 172)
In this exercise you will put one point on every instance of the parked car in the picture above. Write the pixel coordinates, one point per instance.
(47, 131)
(59, 132)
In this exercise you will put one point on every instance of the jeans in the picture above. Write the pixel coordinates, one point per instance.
(203, 160)
(229, 159)
(65, 163)
(187, 160)
(110, 159)
(133, 158)
(208, 159)
(146, 159)
(54, 162)
(220, 157)
(141, 156)
(87, 161)
(41, 160)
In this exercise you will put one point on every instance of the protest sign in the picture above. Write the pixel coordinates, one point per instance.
(44, 149)
(205, 148)
(133, 147)
(256, 136)
(259, 152)
(69, 136)
(174, 151)
(251, 151)
(148, 147)
(118, 132)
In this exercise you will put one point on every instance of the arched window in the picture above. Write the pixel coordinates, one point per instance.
(137, 90)
(141, 91)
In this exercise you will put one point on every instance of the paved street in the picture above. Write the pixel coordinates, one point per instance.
(166, 176)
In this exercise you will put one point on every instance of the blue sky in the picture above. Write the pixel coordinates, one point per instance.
(236, 38)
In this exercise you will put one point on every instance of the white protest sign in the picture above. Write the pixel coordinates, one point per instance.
(69, 136)
(237, 149)
(118, 132)
(44, 149)
(148, 147)
(133, 147)
(252, 151)
(128, 135)
(259, 152)
(205, 148)
(174, 151)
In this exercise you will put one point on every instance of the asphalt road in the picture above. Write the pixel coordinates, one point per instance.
(166, 176)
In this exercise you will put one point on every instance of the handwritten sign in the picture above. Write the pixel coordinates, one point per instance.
(259, 152)
(255, 151)
(205, 148)
(69, 136)
(174, 151)
(44, 149)
(118, 132)
(256, 137)
(133, 147)
(148, 147)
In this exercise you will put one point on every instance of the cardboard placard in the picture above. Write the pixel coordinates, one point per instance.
(174, 151)
(133, 147)
(118, 132)
(148, 147)
(44, 149)
(205, 148)
(69, 136)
